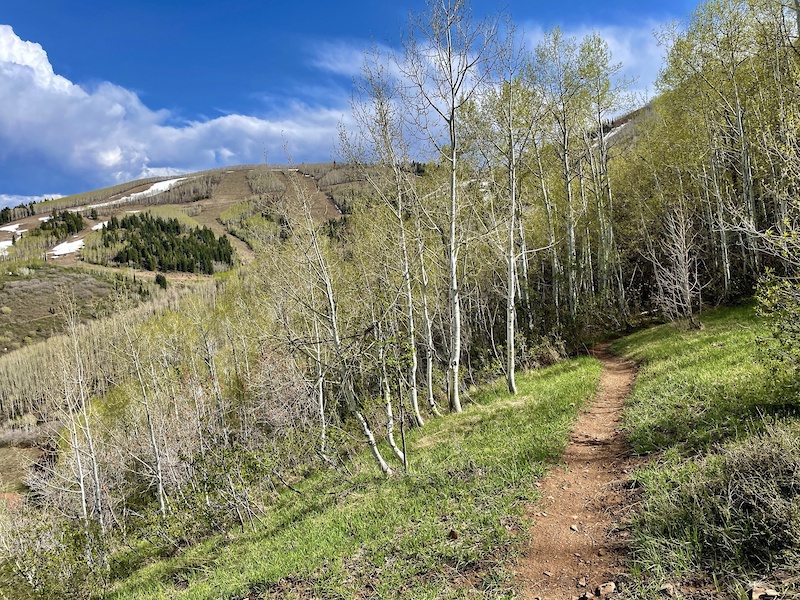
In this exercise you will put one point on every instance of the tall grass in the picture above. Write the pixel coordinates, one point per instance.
(720, 503)
(447, 529)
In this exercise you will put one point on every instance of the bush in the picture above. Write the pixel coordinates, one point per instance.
(42, 558)
(779, 303)
(736, 510)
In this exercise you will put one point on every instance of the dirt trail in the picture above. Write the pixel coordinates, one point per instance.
(576, 543)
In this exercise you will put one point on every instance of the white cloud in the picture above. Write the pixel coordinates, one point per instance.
(347, 59)
(12, 200)
(32, 58)
(638, 51)
(634, 45)
(107, 133)
(340, 58)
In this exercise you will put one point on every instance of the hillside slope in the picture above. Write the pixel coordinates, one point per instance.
(203, 196)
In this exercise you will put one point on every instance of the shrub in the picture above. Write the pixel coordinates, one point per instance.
(48, 558)
(736, 510)
(779, 302)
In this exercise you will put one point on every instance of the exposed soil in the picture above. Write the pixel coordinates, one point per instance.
(578, 538)
(321, 206)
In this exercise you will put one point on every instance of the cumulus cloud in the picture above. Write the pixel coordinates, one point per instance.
(107, 134)
(16, 53)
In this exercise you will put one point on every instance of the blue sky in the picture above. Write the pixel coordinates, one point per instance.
(93, 93)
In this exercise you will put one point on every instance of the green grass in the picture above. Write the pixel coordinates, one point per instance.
(171, 211)
(720, 503)
(391, 538)
(236, 213)
(701, 387)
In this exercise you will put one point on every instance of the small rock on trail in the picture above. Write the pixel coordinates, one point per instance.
(577, 544)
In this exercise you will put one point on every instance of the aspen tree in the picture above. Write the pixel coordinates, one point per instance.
(447, 58)
(713, 58)
(512, 110)
(381, 125)
(427, 317)
(135, 356)
(607, 94)
(81, 407)
(306, 241)
(558, 74)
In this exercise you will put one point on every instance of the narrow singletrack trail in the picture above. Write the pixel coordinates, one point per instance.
(578, 541)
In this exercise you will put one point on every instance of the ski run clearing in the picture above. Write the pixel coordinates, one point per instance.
(156, 188)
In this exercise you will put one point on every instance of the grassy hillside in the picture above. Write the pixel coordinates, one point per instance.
(447, 530)
(205, 196)
(29, 304)
(716, 416)
(720, 503)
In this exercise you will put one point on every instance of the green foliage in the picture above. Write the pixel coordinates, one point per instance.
(60, 225)
(337, 230)
(49, 558)
(779, 304)
(340, 536)
(255, 222)
(236, 213)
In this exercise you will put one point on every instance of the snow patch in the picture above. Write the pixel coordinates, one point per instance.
(12, 228)
(4, 246)
(156, 188)
(615, 131)
(45, 218)
(99, 226)
(66, 248)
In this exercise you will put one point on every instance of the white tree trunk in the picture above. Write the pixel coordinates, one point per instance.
(453, 382)
(427, 321)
